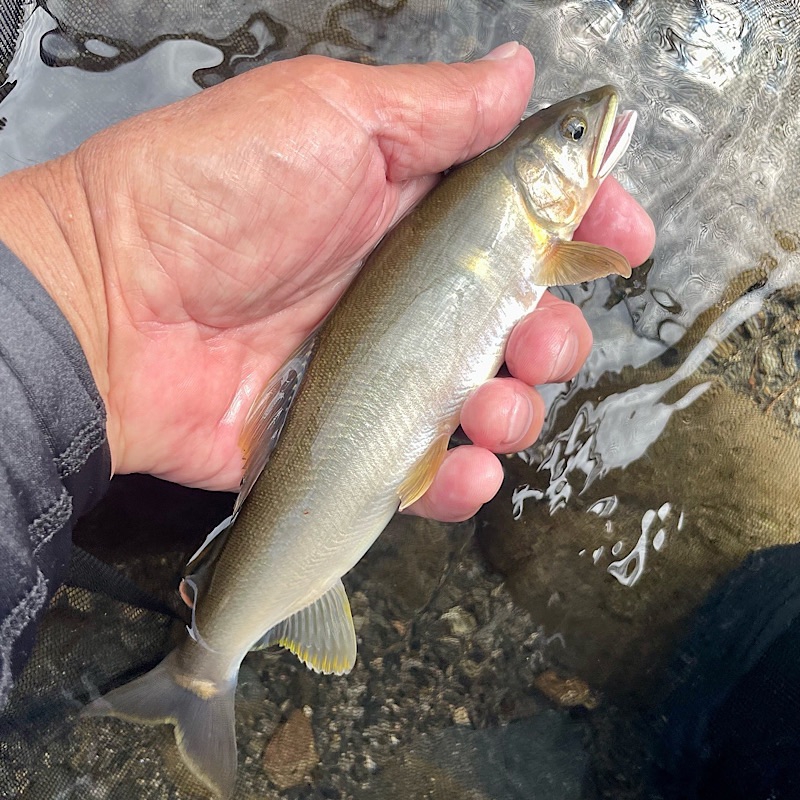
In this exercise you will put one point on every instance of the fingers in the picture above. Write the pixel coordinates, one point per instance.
(617, 221)
(505, 415)
(431, 116)
(549, 345)
(468, 478)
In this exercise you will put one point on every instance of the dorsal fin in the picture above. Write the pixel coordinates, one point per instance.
(262, 429)
(265, 420)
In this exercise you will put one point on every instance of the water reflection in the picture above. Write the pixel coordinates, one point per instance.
(667, 464)
(50, 111)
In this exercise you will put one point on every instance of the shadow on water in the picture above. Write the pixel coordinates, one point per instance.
(622, 620)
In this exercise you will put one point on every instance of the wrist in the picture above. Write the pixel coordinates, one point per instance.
(46, 222)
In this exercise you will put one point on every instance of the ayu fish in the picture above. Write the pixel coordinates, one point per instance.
(374, 398)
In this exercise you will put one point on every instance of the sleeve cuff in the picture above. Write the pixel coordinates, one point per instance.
(55, 462)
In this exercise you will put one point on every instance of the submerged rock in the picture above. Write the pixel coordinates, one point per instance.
(565, 692)
(291, 753)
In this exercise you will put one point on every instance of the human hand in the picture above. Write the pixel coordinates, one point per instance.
(194, 247)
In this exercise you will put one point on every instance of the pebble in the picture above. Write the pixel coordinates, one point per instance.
(291, 753)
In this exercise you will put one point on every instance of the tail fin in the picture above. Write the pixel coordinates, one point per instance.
(202, 712)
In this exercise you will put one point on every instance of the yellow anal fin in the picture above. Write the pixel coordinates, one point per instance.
(576, 262)
(421, 477)
(320, 635)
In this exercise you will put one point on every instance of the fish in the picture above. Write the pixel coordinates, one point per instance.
(355, 425)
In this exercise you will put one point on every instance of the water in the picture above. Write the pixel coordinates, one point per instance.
(670, 461)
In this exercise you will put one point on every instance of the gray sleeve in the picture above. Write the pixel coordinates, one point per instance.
(54, 458)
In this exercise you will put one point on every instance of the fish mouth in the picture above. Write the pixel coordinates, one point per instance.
(614, 138)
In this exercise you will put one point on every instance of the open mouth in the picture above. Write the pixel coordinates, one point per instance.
(618, 141)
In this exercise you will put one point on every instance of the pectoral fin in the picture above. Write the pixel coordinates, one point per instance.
(320, 635)
(576, 262)
(421, 477)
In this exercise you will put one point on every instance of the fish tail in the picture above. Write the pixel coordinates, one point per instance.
(202, 712)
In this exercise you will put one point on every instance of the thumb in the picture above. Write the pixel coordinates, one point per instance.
(427, 117)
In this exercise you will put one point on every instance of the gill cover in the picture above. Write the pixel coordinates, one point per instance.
(561, 157)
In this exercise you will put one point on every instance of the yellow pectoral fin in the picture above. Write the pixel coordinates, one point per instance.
(576, 262)
(421, 477)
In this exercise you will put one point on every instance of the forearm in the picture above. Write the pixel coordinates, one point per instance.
(47, 224)
(54, 460)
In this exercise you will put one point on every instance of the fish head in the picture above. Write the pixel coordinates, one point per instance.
(563, 153)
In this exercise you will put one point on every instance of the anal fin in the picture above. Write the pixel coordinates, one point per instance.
(320, 635)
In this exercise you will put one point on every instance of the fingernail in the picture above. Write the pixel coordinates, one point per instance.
(519, 420)
(507, 50)
(565, 360)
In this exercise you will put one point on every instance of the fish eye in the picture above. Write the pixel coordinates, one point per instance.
(574, 128)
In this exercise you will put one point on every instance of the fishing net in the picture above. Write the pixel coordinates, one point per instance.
(443, 654)
(621, 620)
